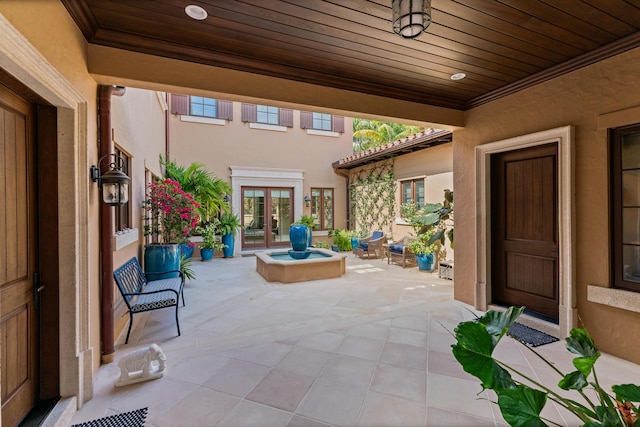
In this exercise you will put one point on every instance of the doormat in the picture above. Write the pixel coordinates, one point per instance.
(529, 336)
(126, 419)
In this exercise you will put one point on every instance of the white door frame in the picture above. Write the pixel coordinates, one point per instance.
(564, 137)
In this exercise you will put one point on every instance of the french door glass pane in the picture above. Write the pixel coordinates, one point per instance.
(406, 192)
(328, 209)
(280, 215)
(253, 218)
(630, 267)
(316, 204)
(631, 150)
(420, 192)
(631, 188)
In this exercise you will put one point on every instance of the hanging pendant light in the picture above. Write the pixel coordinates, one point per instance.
(411, 17)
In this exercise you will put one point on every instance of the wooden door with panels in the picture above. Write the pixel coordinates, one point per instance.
(524, 230)
(18, 258)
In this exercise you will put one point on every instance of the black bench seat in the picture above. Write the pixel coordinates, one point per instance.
(141, 293)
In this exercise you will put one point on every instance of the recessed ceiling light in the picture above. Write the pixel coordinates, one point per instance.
(458, 76)
(196, 12)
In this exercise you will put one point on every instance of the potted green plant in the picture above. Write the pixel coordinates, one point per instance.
(341, 240)
(522, 400)
(424, 251)
(210, 241)
(229, 224)
(170, 216)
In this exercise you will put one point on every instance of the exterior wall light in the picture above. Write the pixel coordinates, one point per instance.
(114, 184)
(411, 17)
(307, 200)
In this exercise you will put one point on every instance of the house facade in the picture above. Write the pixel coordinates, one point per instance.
(573, 125)
(277, 160)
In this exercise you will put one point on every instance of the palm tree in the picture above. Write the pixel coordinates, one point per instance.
(208, 190)
(369, 134)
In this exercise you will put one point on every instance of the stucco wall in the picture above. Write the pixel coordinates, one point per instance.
(50, 29)
(235, 144)
(138, 128)
(435, 165)
(577, 99)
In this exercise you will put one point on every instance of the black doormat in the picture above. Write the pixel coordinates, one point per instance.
(529, 336)
(126, 419)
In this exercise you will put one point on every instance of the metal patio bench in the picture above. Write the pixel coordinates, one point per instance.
(141, 294)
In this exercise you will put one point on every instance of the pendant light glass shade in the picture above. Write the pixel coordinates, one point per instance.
(411, 17)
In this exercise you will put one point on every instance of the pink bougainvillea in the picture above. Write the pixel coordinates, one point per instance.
(170, 213)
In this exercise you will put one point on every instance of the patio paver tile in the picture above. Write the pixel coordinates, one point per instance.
(281, 389)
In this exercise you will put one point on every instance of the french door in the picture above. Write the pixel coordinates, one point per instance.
(267, 214)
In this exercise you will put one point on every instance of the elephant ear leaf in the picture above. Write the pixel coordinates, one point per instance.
(521, 406)
(498, 323)
(573, 381)
(580, 343)
(629, 392)
(474, 352)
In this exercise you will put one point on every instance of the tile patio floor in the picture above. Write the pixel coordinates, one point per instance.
(368, 349)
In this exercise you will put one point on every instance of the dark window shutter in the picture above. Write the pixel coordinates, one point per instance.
(338, 124)
(249, 113)
(225, 110)
(286, 117)
(179, 104)
(306, 120)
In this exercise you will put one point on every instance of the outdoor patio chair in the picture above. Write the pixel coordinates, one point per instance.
(371, 247)
(400, 253)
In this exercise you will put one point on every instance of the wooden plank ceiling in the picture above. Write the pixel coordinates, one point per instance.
(502, 46)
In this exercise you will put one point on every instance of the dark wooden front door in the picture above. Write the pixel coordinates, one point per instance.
(18, 258)
(524, 229)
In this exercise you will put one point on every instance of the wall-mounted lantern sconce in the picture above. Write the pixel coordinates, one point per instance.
(114, 184)
(307, 200)
(226, 198)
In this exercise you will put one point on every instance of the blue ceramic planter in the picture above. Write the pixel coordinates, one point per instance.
(354, 243)
(206, 254)
(160, 259)
(229, 240)
(299, 237)
(425, 262)
(309, 237)
(187, 252)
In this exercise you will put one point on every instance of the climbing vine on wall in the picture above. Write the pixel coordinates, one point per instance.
(372, 193)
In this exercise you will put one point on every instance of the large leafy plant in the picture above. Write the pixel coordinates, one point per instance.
(207, 189)
(435, 217)
(520, 403)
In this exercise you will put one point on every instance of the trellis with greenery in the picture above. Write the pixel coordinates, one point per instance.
(372, 193)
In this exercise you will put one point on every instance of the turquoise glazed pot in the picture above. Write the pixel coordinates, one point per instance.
(425, 262)
(309, 237)
(187, 252)
(299, 237)
(206, 254)
(229, 240)
(160, 259)
(354, 243)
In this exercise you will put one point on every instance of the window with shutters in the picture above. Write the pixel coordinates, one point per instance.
(267, 117)
(321, 122)
(413, 191)
(199, 106)
(322, 208)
